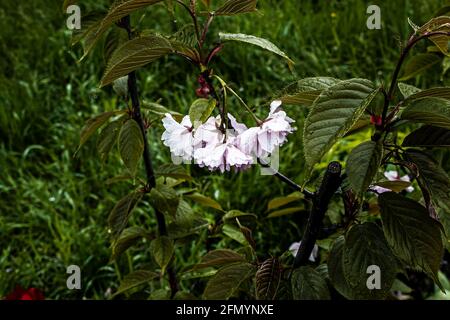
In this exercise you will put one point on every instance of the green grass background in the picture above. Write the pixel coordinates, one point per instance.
(54, 206)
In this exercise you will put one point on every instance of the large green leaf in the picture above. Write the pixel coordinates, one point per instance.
(407, 90)
(336, 269)
(304, 92)
(135, 279)
(127, 238)
(268, 279)
(134, 54)
(366, 246)
(260, 42)
(108, 138)
(172, 171)
(204, 200)
(93, 124)
(165, 199)
(200, 110)
(89, 22)
(118, 10)
(131, 145)
(281, 201)
(428, 136)
(440, 24)
(228, 280)
(413, 235)
(334, 112)
(308, 284)
(440, 92)
(437, 182)
(362, 165)
(432, 111)
(233, 7)
(219, 258)
(162, 250)
(118, 218)
(418, 64)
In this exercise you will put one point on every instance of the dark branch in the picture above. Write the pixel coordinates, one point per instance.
(330, 183)
(151, 181)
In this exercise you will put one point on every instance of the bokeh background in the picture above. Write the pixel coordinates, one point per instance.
(54, 205)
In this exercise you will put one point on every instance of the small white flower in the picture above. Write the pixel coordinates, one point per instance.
(207, 134)
(178, 136)
(393, 175)
(213, 152)
(222, 156)
(261, 141)
(296, 245)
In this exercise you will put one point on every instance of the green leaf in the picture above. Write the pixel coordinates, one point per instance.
(262, 43)
(413, 235)
(268, 279)
(165, 200)
(131, 145)
(227, 281)
(173, 171)
(433, 176)
(219, 258)
(93, 124)
(134, 54)
(118, 218)
(362, 165)
(89, 22)
(407, 90)
(135, 279)
(234, 233)
(334, 112)
(127, 238)
(432, 111)
(418, 64)
(108, 138)
(308, 284)
(428, 136)
(304, 92)
(396, 186)
(441, 24)
(162, 250)
(443, 93)
(204, 200)
(233, 7)
(366, 246)
(200, 111)
(233, 214)
(117, 11)
(335, 269)
(281, 201)
(284, 212)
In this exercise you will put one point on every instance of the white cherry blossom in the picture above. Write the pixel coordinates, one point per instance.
(178, 136)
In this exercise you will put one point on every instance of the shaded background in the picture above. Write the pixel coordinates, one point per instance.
(54, 206)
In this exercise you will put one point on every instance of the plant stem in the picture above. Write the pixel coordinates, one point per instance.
(308, 194)
(194, 19)
(205, 30)
(330, 183)
(151, 181)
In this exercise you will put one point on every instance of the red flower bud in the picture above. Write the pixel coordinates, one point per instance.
(376, 120)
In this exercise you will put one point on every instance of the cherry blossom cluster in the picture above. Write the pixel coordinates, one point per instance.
(240, 147)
